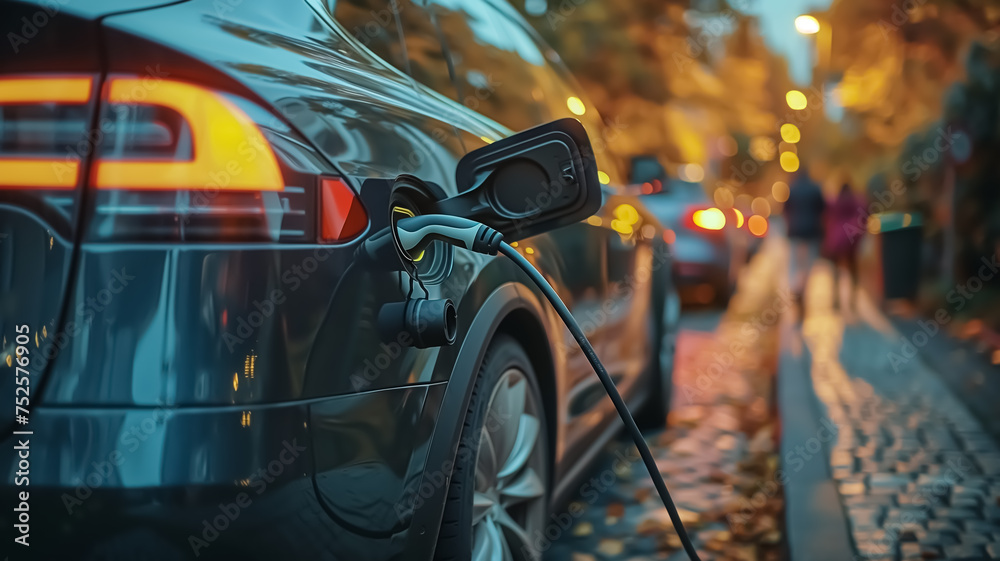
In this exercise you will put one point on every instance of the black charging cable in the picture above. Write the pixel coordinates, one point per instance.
(413, 234)
(609, 387)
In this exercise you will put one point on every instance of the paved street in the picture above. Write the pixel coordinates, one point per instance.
(718, 453)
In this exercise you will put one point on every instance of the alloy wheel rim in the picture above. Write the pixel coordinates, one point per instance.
(508, 501)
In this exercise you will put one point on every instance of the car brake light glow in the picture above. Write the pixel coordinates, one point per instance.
(49, 89)
(709, 219)
(343, 217)
(38, 93)
(220, 131)
(38, 172)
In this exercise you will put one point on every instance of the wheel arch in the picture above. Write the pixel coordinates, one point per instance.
(512, 309)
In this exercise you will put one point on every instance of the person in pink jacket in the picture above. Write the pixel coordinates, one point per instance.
(840, 244)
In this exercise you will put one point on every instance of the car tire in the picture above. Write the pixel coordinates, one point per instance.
(654, 411)
(495, 507)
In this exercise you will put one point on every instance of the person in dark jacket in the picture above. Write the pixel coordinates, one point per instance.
(804, 218)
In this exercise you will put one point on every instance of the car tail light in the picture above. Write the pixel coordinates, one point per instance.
(650, 187)
(736, 216)
(707, 219)
(42, 118)
(178, 161)
(343, 217)
(176, 135)
(171, 160)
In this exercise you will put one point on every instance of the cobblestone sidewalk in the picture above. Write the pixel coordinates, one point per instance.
(717, 455)
(917, 476)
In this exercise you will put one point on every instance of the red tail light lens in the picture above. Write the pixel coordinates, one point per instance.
(343, 217)
(708, 219)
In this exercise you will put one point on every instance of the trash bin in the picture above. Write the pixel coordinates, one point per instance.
(900, 238)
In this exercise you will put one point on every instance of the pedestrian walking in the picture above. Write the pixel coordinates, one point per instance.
(840, 245)
(804, 218)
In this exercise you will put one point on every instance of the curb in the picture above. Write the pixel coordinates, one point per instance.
(815, 523)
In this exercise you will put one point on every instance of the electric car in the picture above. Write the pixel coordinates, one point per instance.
(190, 338)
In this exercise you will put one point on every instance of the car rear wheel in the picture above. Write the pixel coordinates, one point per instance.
(498, 495)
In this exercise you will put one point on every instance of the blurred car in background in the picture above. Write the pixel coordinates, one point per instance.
(709, 244)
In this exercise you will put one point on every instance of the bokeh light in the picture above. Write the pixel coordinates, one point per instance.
(762, 149)
(691, 172)
(796, 99)
(739, 217)
(789, 162)
(575, 105)
(727, 146)
(709, 219)
(757, 225)
(779, 191)
(761, 206)
(807, 25)
(723, 198)
(790, 133)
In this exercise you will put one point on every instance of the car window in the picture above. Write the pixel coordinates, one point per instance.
(499, 70)
(503, 71)
(402, 34)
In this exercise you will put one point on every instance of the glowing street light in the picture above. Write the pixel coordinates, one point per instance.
(789, 161)
(807, 25)
(796, 99)
(790, 133)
